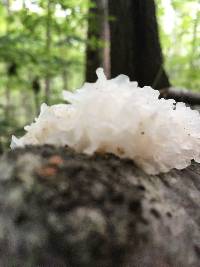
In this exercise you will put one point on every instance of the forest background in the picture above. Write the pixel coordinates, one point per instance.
(46, 47)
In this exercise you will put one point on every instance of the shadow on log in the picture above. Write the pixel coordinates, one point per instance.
(59, 208)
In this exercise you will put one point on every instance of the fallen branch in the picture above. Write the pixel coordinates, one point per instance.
(181, 95)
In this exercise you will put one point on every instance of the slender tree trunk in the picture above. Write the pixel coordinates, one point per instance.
(7, 96)
(24, 4)
(26, 103)
(194, 40)
(65, 79)
(36, 90)
(105, 35)
(135, 46)
(48, 49)
(7, 89)
(37, 103)
(98, 30)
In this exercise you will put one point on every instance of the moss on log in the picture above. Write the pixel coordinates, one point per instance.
(60, 208)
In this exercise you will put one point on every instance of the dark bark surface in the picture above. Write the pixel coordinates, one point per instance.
(135, 46)
(60, 208)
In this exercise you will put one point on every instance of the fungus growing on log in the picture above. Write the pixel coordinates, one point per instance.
(117, 116)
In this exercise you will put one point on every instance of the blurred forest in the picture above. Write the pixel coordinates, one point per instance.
(47, 46)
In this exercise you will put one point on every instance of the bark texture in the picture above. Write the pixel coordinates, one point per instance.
(60, 208)
(135, 46)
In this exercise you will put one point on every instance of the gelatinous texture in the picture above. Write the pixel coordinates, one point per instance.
(119, 117)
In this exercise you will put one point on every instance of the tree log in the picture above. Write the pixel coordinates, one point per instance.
(60, 208)
(181, 95)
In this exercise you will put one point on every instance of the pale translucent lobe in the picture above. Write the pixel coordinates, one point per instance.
(119, 117)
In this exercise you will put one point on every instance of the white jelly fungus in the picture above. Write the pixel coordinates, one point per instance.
(119, 117)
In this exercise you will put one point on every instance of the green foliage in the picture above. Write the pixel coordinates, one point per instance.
(24, 40)
(45, 41)
(181, 45)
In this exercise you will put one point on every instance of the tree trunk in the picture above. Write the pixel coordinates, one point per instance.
(65, 79)
(7, 89)
(48, 50)
(8, 100)
(60, 208)
(135, 46)
(98, 52)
